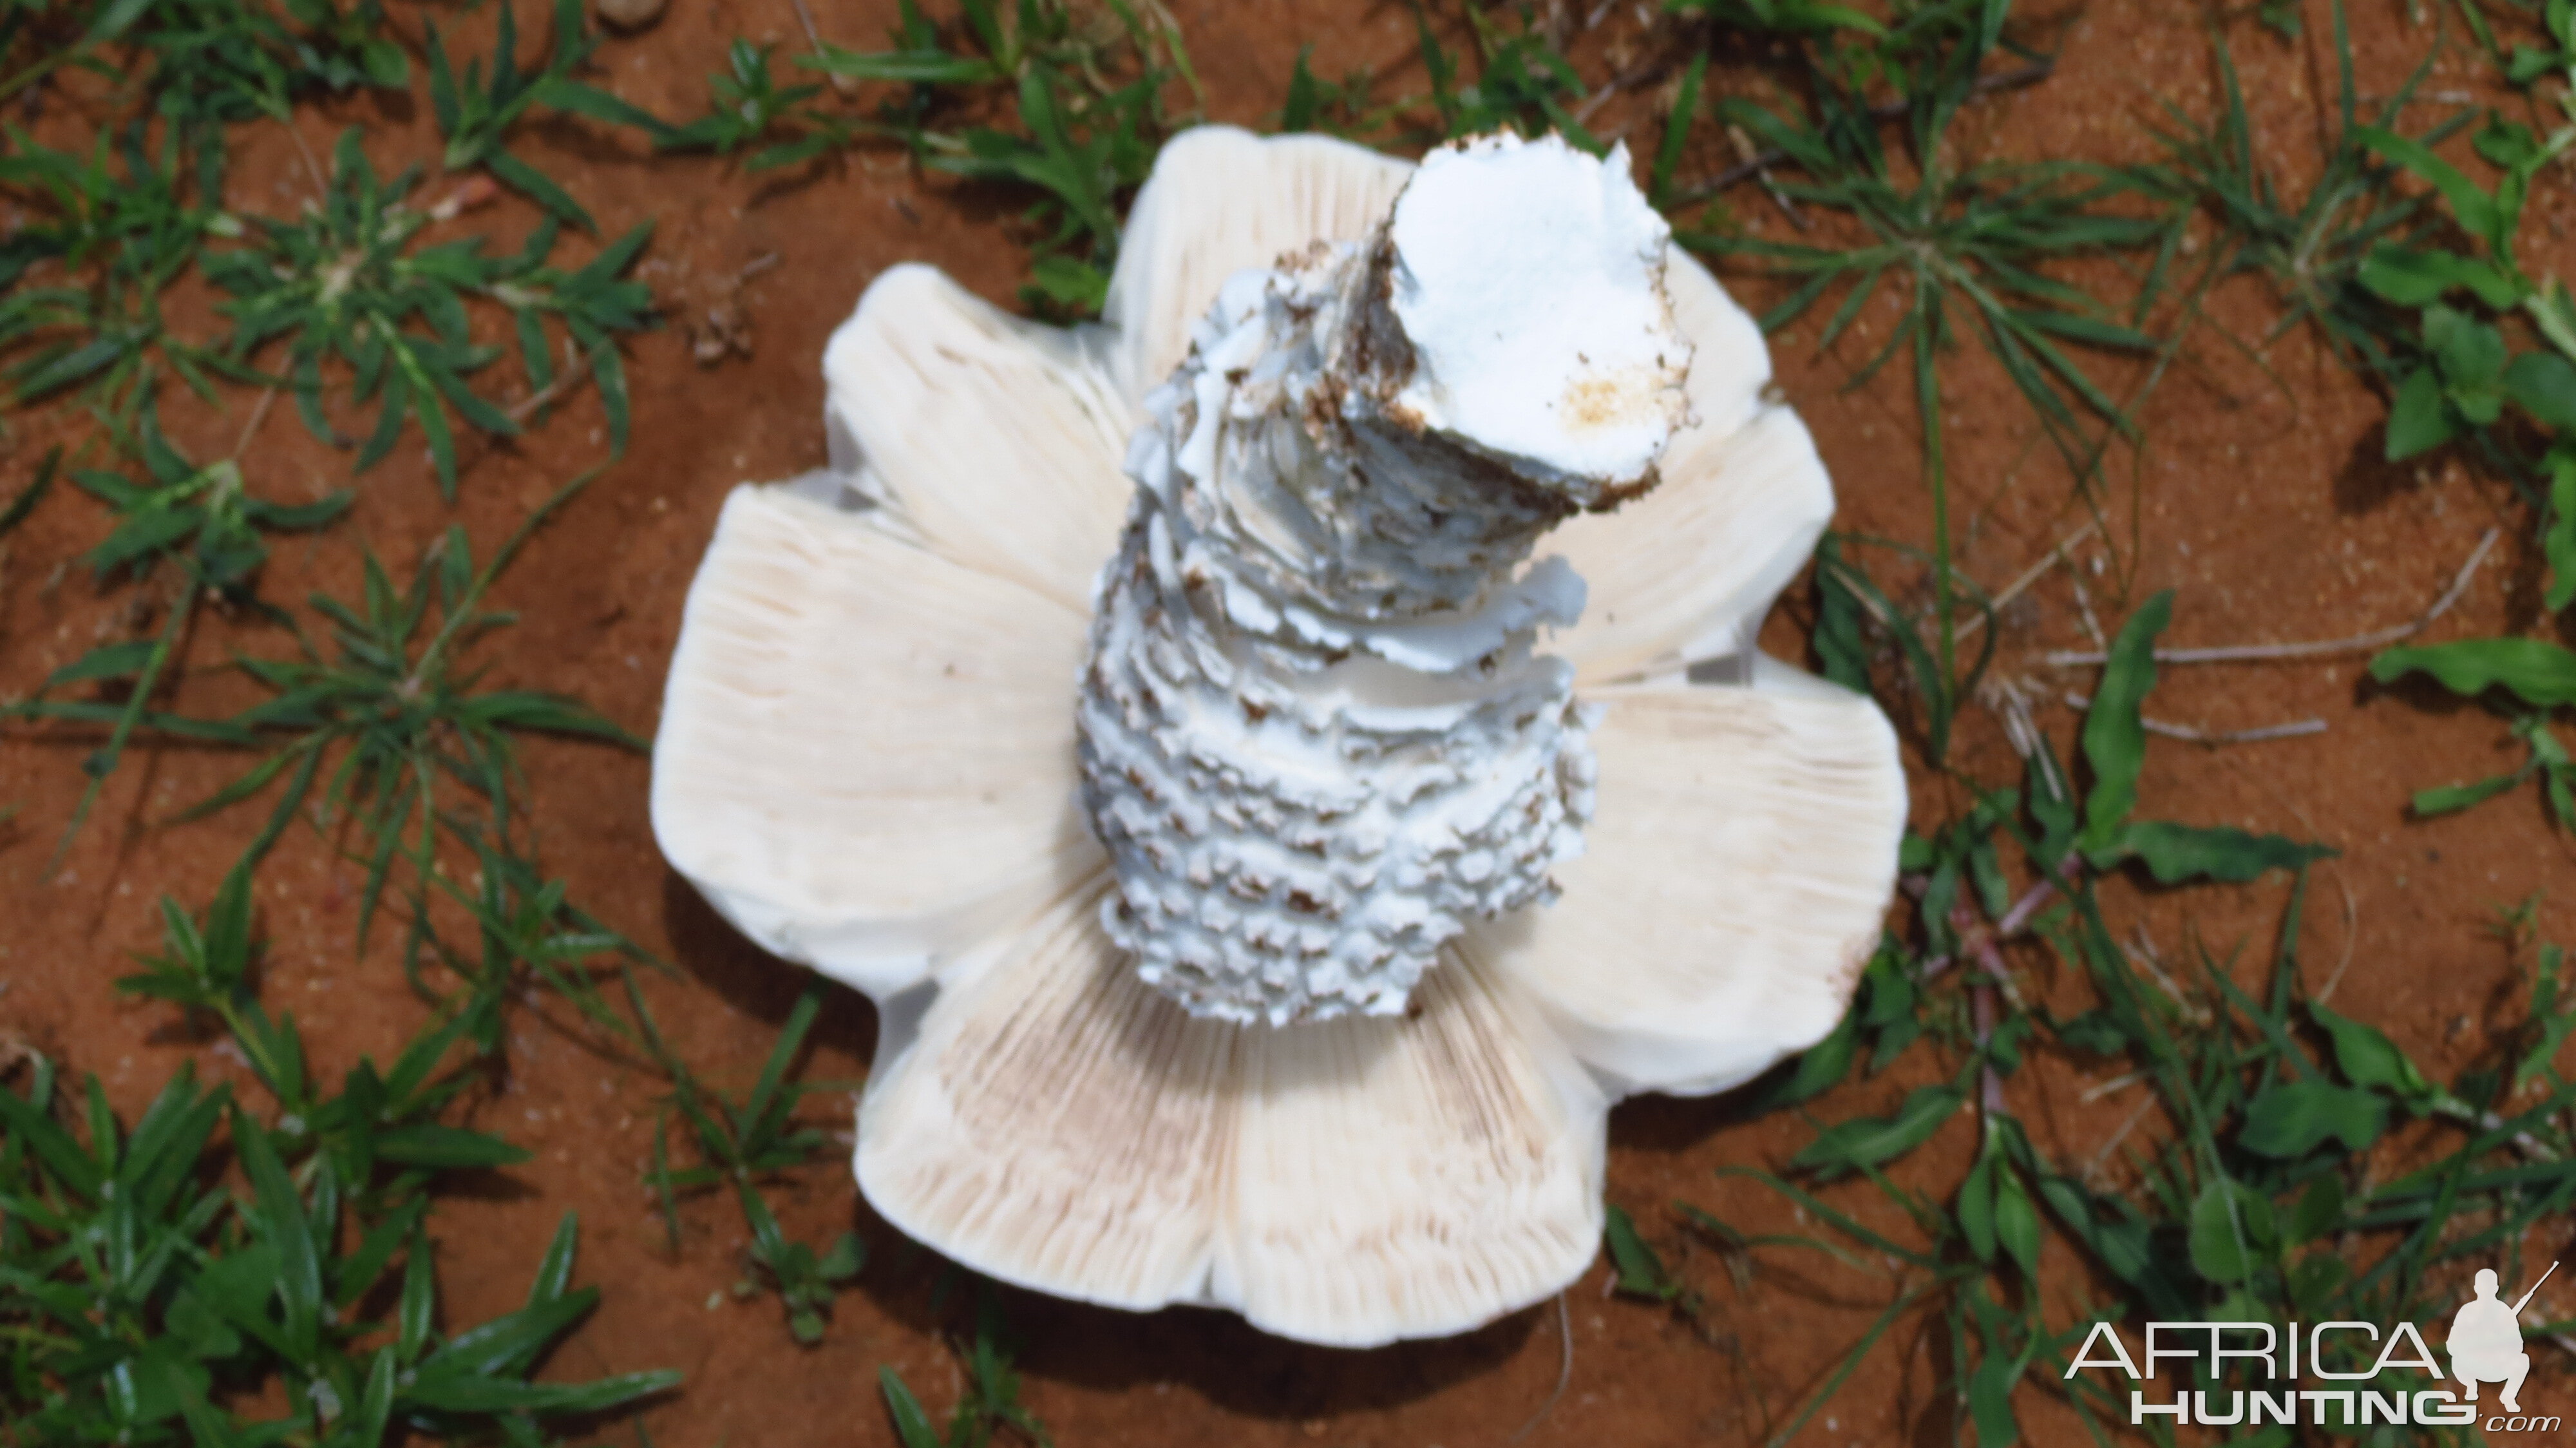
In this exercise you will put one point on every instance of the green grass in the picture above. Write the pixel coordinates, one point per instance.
(143, 1296)
(198, 529)
(120, 223)
(477, 110)
(1089, 104)
(128, 219)
(747, 108)
(990, 1404)
(1964, 249)
(2427, 296)
(2248, 1189)
(2311, 249)
(739, 1144)
(141, 1299)
(373, 728)
(345, 284)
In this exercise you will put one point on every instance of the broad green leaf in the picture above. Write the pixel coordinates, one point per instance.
(2289, 1121)
(2544, 383)
(30, 1123)
(2320, 1209)
(458, 1391)
(112, 661)
(1641, 1272)
(2115, 742)
(431, 1144)
(2368, 1058)
(2315, 1281)
(2419, 419)
(1975, 1207)
(2413, 278)
(2535, 671)
(911, 1425)
(2472, 207)
(2016, 1219)
(34, 493)
(2174, 853)
(277, 1215)
(2451, 799)
(1872, 1141)
(1990, 1390)
(2231, 1228)
(920, 67)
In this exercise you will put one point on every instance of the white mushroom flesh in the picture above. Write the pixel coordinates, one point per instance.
(1315, 732)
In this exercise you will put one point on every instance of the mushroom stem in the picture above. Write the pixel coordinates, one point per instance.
(1314, 734)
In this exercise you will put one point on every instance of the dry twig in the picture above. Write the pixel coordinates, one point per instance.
(2028, 576)
(1564, 1366)
(2358, 643)
(2187, 733)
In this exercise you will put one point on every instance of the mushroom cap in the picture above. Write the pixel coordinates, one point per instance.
(866, 762)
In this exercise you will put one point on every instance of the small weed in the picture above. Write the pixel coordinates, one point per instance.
(202, 65)
(2539, 676)
(1085, 141)
(2557, 56)
(742, 1142)
(528, 935)
(196, 525)
(394, 715)
(1339, 107)
(1523, 83)
(141, 1301)
(1852, 609)
(1961, 248)
(2311, 251)
(345, 283)
(2453, 382)
(476, 112)
(140, 1295)
(132, 218)
(746, 106)
(2457, 381)
(382, 1134)
(217, 63)
(991, 1401)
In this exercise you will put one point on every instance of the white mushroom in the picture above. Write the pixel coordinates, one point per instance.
(1314, 735)
(1398, 891)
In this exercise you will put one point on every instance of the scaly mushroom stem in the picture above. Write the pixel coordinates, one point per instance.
(1314, 734)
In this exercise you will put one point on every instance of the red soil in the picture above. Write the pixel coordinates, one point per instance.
(2263, 503)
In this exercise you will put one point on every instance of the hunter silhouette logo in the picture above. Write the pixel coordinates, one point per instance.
(2486, 1340)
